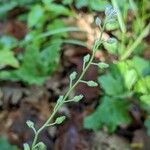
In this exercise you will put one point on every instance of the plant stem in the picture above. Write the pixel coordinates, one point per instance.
(136, 43)
(96, 45)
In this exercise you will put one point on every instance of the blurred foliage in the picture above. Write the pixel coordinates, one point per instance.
(127, 80)
(5, 145)
(41, 45)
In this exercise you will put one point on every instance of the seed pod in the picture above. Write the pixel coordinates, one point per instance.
(102, 65)
(78, 98)
(92, 83)
(59, 120)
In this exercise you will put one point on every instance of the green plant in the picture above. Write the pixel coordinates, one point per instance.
(87, 61)
(5, 145)
(126, 81)
(42, 44)
(126, 43)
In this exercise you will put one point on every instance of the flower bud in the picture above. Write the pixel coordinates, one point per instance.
(30, 124)
(73, 75)
(98, 21)
(86, 58)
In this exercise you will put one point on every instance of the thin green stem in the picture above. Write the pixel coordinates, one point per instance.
(83, 81)
(97, 44)
(136, 43)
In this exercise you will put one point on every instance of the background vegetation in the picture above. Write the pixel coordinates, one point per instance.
(43, 41)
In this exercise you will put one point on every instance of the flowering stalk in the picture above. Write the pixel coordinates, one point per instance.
(87, 61)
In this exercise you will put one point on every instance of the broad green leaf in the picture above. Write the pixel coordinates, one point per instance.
(129, 74)
(7, 58)
(57, 25)
(36, 66)
(111, 85)
(110, 113)
(145, 99)
(141, 65)
(143, 86)
(35, 16)
(111, 48)
(112, 26)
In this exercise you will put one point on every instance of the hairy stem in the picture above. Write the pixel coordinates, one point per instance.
(45, 125)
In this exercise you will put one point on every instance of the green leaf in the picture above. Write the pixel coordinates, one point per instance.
(50, 56)
(110, 113)
(57, 25)
(67, 2)
(147, 124)
(145, 99)
(57, 9)
(111, 85)
(111, 48)
(4, 7)
(7, 58)
(98, 5)
(5, 145)
(128, 74)
(141, 65)
(47, 2)
(81, 3)
(35, 16)
(7, 42)
(143, 86)
(36, 66)
(130, 78)
(26, 146)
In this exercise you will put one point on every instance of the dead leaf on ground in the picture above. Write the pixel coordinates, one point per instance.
(104, 141)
